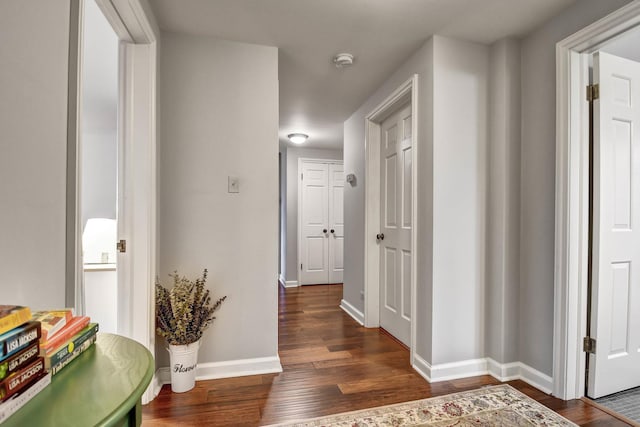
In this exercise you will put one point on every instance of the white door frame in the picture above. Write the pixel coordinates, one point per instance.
(572, 189)
(407, 92)
(138, 34)
(302, 160)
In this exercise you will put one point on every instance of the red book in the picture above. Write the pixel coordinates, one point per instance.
(52, 321)
(16, 382)
(65, 334)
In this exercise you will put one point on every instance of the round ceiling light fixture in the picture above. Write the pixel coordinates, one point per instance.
(343, 60)
(297, 138)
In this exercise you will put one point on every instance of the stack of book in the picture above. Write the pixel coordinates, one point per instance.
(22, 369)
(64, 337)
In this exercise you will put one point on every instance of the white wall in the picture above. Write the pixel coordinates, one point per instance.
(460, 76)
(99, 175)
(538, 182)
(219, 118)
(291, 245)
(503, 203)
(33, 140)
(99, 116)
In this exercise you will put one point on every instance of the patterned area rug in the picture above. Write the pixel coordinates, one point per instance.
(500, 405)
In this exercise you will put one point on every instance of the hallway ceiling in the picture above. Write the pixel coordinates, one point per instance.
(316, 97)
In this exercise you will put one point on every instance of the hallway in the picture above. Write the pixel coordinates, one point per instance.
(331, 365)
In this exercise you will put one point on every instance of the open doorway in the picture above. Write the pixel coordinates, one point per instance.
(613, 298)
(572, 345)
(99, 167)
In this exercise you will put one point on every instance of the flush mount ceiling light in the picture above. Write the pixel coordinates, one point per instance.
(343, 60)
(297, 138)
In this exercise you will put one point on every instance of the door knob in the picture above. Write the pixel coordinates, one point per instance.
(380, 236)
(324, 230)
(333, 231)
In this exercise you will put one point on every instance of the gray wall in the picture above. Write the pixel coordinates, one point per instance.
(291, 243)
(33, 140)
(538, 178)
(219, 118)
(503, 203)
(460, 76)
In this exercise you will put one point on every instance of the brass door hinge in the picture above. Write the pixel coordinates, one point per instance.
(589, 345)
(593, 92)
(121, 246)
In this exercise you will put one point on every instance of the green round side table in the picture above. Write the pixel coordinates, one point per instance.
(102, 387)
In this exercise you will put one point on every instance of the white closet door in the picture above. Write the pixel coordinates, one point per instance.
(395, 227)
(314, 230)
(615, 310)
(336, 223)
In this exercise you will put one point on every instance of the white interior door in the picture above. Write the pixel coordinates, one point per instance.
(615, 310)
(395, 227)
(336, 222)
(314, 227)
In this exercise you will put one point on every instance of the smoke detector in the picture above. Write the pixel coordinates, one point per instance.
(343, 60)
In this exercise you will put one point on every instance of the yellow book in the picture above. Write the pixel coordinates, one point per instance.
(12, 316)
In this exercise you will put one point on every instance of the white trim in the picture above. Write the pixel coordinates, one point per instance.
(485, 366)
(571, 218)
(74, 277)
(228, 369)
(137, 122)
(519, 371)
(302, 160)
(422, 367)
(156, 383)
(455, 370)
(291, 284)
(536, 378)
(503, 371)
(129, 20)
(356, 314)
(408, 91)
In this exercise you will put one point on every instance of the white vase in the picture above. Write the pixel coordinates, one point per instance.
(184, 360)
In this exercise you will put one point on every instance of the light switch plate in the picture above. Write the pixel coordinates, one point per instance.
(234, 184)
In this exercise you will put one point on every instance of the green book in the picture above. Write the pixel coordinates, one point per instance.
(61, 353)
(71, 356)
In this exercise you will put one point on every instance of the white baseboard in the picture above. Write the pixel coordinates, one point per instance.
(357, 315)
(503, 371)
(154, 388)
(227, 369)
(474, 367)
(281, 280)
(291, 284)
(455, 370)
(422, 367)
(536, 378)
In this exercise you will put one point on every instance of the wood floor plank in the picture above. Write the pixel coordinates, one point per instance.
(330, 365)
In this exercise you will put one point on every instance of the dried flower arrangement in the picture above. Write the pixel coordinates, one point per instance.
(184, 311)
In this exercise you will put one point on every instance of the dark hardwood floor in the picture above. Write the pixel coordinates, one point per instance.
(331, 365)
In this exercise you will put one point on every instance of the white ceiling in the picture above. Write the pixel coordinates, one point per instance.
(626, 45)
(315, 97)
